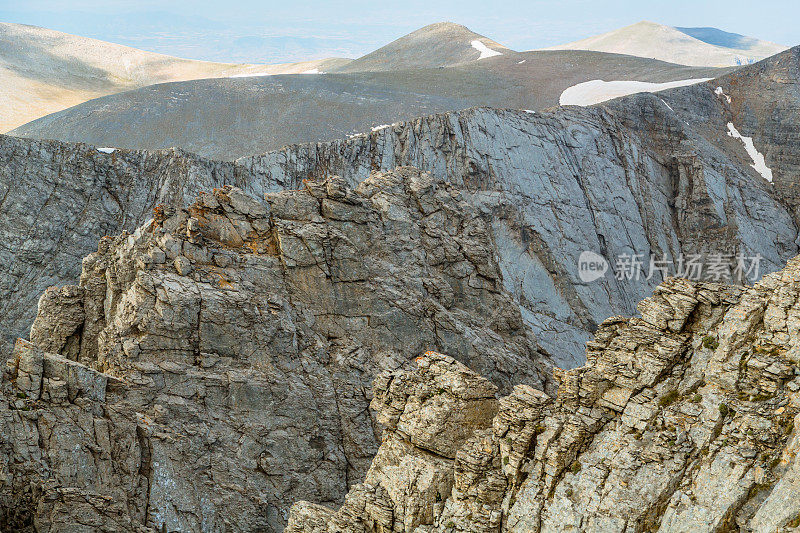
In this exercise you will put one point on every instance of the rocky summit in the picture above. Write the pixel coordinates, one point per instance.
(214, 366)
(683, 419)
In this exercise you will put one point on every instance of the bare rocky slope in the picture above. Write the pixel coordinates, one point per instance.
(708, 47)
(212, 368)
(443, 44)
(236, 117)
(656, 175)
(684, 419)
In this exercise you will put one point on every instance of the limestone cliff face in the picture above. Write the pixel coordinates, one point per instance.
(57, 200)
(685, 419)
(214, 366)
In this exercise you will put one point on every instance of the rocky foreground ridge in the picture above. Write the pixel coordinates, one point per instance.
(214, 366)
(684, 419)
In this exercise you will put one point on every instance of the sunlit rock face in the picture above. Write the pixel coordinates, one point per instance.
(684, 419)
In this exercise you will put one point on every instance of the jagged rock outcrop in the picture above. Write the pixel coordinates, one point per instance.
(215, 365)
(684, 419)
(634, 176)
(655, 175)
(57, 200)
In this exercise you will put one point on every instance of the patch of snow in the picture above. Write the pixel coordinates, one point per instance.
(107, 150)
(521, 62)
(382, 126)
(596, 91)
(484, 50)
(759, 164)
(250, 75)
(312, 71)
(531, 111)
(719, 92)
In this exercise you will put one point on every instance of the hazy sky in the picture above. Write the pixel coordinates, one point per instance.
(266, 31)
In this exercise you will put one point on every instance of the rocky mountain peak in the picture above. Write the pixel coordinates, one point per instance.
(442, 44)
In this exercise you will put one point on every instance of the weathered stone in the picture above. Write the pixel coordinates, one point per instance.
(245, 381)
(183, 265)
(553, 184)
(654, 433)
(61, 334)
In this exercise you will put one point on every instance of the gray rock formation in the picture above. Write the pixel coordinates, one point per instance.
(656, 175)
(210, 368)
(59, 200)
(214, 366)
(685, 419)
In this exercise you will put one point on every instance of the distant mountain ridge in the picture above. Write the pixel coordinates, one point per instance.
(701, 47)
(43, 71)
(230, 118)
(46, 78)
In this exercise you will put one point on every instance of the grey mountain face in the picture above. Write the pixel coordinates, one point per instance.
(60, 199)
(235, 117)
(684, 419)
(656, 175)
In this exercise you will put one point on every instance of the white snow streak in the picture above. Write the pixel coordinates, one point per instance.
(596, 91)
(719, 92)
(759, 164)
(312, 71)
(382, 126)
(484, 50)
(106, 150)
(666, 104)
